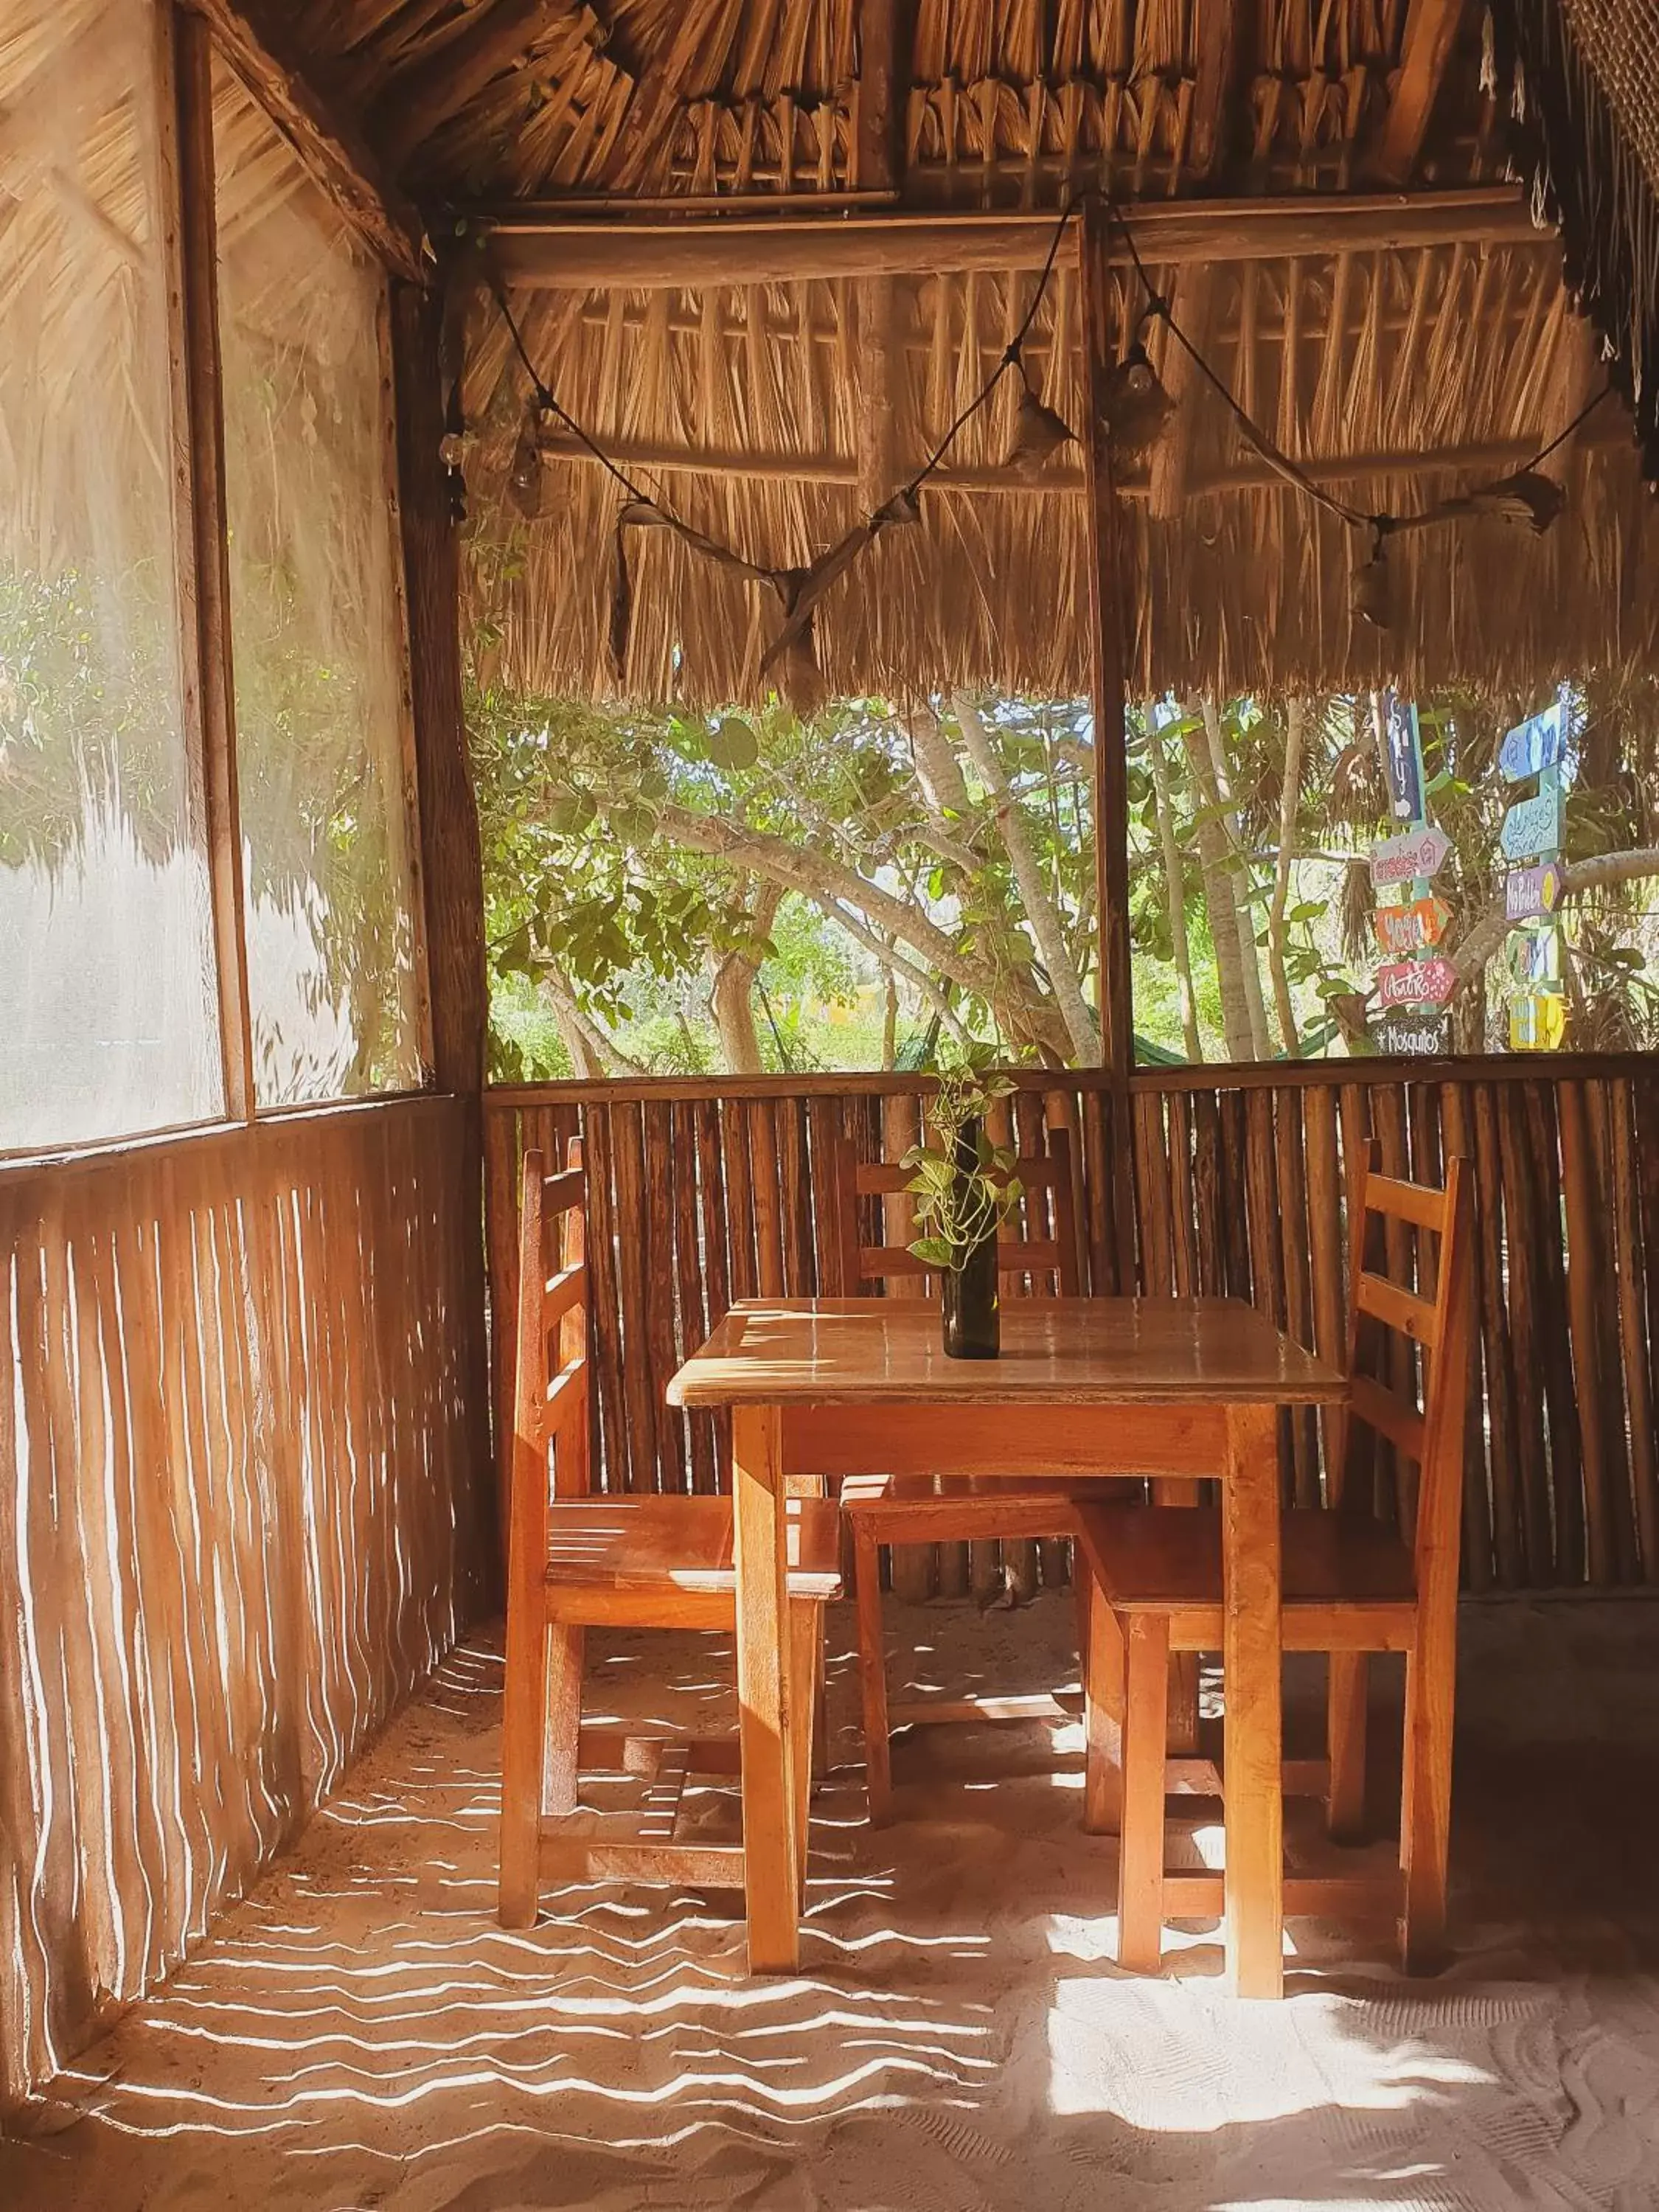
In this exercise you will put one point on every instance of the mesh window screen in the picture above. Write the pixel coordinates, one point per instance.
(107, 1008)
(317, 629)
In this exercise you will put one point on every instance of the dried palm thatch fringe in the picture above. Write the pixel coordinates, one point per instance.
(1236, 589)
(1038, 432)
(1583, 85)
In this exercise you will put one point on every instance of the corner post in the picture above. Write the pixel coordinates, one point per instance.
(1111, 766)
(191, 248)
(451, 857)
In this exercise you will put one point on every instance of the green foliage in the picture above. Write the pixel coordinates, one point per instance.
(964, 1186)
(593, 889)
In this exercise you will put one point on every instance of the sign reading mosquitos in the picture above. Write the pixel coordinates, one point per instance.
(1415, 1035)
(1411, 928)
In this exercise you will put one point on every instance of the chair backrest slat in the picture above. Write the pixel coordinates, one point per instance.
(1051, 1255)
(550, 1388)
(1433, 1435)
(1385, 1301)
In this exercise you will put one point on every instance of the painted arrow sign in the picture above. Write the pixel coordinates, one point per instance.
(1411, 928)
(1418, 853)
(1529, 892)
(1532, 745)
(1538, 1022)
(1424, 1036)
(1532, 826)
(1535, 957)
(1417, 982)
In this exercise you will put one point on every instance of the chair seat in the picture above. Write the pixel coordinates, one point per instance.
(666, 1544)
(1156, 1559)
(865, 1493)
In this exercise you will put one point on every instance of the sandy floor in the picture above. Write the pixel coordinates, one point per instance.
(361, 2033)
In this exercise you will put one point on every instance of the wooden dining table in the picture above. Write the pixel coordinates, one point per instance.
(818, 1388)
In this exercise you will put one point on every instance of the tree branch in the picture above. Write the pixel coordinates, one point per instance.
(820, 878)
(1484, 937)
(1040, 909)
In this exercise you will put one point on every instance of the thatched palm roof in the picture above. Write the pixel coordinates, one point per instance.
(771, 400)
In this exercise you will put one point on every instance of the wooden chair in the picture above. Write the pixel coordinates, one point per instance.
(887, 1509)
(576, 1561)
(1351, 1586)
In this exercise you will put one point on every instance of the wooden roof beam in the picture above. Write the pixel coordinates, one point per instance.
(417, 103)
(1490, 458)
(1215, 85)
(1431, 30)
(254, 37)
(536, 250)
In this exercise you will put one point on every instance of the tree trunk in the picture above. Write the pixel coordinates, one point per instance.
(1175, 887)
(1290, 791)
(593, 1055)
(732, 996)
(1239, 871)
(1040, 912)
(1212, 841)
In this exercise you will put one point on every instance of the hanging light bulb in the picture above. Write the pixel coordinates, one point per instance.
(1527, 498)
(524, 481)
(1370, 595)
(1134, 403)
(901, 512)
(1039, 433)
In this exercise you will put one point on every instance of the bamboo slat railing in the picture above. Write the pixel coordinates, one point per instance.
(706, 1191)
(239, 1521)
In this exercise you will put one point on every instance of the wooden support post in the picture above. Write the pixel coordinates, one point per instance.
(452, 864)
(1111, 766)
(192, 254)
(1172, 460)
(878, 143)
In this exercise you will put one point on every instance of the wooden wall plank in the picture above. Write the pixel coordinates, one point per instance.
(204, 1346)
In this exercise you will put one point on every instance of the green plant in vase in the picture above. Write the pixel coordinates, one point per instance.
(964, 1189)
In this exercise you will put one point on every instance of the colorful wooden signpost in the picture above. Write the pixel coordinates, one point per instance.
(1534, 891)
(1419, 1036)
(1419, 852)
(1410, 920)
(1532, 828)
(1411, 928)
(1533, 832)
(1416, 982)
(1531, 747)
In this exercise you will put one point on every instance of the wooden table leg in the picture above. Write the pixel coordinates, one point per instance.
(1251, 1658)
(768, 1812)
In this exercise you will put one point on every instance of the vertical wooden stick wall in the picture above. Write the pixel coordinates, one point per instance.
(706, 1191)
(236, 1480)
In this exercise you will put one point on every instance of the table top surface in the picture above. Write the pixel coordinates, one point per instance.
(770, 1351)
